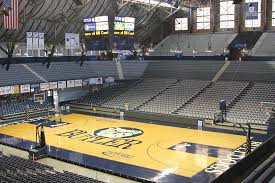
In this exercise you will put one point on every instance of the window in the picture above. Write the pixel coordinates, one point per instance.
(203, 18)
(227, 14)
(181, 24)
(253, 13)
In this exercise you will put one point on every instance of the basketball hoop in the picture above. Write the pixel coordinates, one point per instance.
(39, 98)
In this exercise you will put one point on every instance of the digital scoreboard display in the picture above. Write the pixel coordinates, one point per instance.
(96, 26)
(97, 32)
(124, 26)
(124, 31)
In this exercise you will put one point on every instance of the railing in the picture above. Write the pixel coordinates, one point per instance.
(201, 53)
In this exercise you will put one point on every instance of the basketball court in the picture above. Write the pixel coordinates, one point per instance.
(134, 149)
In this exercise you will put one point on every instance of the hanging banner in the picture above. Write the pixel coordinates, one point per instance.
(11, 89)
(251, 10)
(77, 41)
(68, 41)
(78, 83)
(29, 40)
(99, 81)
(92, 81)
(109, 80)
(44, 86)
(85, 82)
(53, 85)
(35, 87)
(41, 41)
(70, 84)
(62, 84)
(2, 91)
(25, 88)
(72, 46)
(35, 40)
(6, 90)
(16, 89)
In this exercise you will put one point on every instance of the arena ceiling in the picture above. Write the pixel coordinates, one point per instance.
(57, 17)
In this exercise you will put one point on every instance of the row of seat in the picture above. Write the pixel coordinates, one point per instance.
(248, 108)
(206, 104)
(18, 170)
(14, 108)
(104, 95)
(202, 70)
(250, 71)
(139, 94)
(174, 97)
(191, 98)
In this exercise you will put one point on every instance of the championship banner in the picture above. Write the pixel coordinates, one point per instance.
(251, 10)
(78, 83)
(35, 40)
(72, 44)
(70, 84)
(68, 41)
(16, 89)
(92, 81)
(29, 40)
(86, 82)
(109, 80)
(44, 86)
(11, 89)
(99, 81)
(25, 88)
(77, 41)
(41, 41)
(2, 91)
(53, 85)
(62, 84)
(6, 90)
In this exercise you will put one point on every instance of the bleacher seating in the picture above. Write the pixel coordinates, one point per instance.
(104, 95)
(204, 70)
(16, 71)
(174, 97)
(250, 71)
(15, 108)
(18, 170)
(197, 42)
(132, 69)
(183, 88)
(139, 94)
(207, 103)
(265, 45)
(248, 108)
(59, 71)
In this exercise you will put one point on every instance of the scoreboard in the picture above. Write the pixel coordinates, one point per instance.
(96, 25)
(97, 33)
(124, 31)
(124, 26)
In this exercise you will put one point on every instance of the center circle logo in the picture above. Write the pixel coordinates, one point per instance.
(118, 132)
